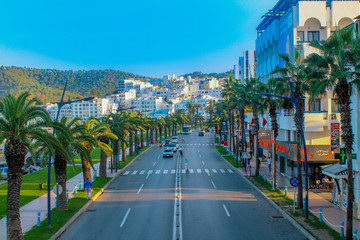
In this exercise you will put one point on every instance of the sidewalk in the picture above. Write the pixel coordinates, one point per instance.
(28, 213)
(332, 214)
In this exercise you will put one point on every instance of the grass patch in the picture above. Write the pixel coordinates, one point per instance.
(122, 164)
(30, 186)
(75, 204)
(95, 157)
(228, 157)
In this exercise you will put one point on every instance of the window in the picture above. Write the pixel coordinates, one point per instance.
(313, 36)
(315, 105)
(300, 36)
(335, 107)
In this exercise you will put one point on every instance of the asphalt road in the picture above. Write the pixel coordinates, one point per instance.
(156, 199)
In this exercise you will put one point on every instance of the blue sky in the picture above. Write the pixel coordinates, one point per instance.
(151, 38)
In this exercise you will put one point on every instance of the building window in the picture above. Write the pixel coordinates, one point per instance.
(335, 106)
(300, 36)
(315, 105)
(313, 36)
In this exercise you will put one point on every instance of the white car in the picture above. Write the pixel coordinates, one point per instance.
(3, 172)
(168, 153)
(174, 138)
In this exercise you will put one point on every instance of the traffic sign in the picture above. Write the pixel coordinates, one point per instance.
(245, 155)
(55, 190)
(294, 181)
(341, 156)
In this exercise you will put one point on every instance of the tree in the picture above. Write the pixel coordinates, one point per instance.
(338, 65)
(294, 72)
(18, 135)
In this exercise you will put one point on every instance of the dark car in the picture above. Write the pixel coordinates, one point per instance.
(168, 153)
(173, 146)
(201, 133)
(166, 142)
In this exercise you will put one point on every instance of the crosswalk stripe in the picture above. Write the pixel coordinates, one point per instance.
(142, 172)
(199, 170)
(222, 170)
(150, 171)
(206, 170)
(126, 173)
(214, 170)
(134, 172)
(183, 170)
(173, 171)
(191, 170)
(157, 172)
(165, 172)
(230, 171)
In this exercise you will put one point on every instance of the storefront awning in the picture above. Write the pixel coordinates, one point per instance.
(336, 171)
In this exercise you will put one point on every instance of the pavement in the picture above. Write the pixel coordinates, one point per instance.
(156, 198)
(332, 214)
(28, 212)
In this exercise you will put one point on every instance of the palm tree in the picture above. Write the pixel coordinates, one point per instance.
(296, 73)
(338, 58)
(196, 107)
(93, 131)
(18, 136)
(190, 110)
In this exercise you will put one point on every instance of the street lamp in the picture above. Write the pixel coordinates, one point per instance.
(60, 105)
(293, 101)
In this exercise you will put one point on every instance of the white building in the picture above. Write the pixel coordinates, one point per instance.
(245, 68)
(147, 105)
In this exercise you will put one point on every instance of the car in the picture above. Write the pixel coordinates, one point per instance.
(201, 133)
(168, 152)
(174, 141)
(3, 172)
(166, 142)
(173, 146)
(174, 138)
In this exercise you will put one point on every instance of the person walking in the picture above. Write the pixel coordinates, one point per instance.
(269, 164)
(88, 188)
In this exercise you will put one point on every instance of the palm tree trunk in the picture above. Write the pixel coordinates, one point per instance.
(15, 157)
(151, 135)
(299, 170)
(123, 147)
(156, 135)
(60, 176)
(147, 137)
(256, 143)
(275, 129)
(102, 172)
(131, 143)
(142, 138)
(86, 168)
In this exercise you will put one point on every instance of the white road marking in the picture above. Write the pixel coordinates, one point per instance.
(183, 170)
(150, 172)
(126, 215)
(142, 185)
(199, 170)
(157, 172)
(154, 163)
(226, 211)
(191, 170)
(222, 170)
(207, 171)
(214, 170)
(198, 150)
(134, 172)
(203, 163)
(126, 173)
(230, 171)
(159, 156)
(142, 172)
(199, 155)
(147, 176)
(165, 171)
(173, 171)
(213, 184)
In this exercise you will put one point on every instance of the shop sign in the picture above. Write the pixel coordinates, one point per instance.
(335, 137)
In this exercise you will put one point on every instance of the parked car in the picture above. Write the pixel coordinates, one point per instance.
(3, 172)
(166, 142)
(201, 133)
(168, 152)
(173, 146)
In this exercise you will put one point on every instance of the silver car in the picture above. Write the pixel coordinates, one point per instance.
(168, 153)
(3, 172)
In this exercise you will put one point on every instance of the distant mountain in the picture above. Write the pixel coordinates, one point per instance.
(209, 75)
(48, 84)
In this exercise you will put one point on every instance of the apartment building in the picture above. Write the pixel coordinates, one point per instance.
(245, 68)
(290, 25)
(147, 105)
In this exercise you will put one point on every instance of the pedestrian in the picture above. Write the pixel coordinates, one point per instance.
(269, 163)
(88, 188)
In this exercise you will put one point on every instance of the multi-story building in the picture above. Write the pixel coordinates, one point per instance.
(290, 25)
(216, 92)
(126, 84)
(245, 69)
(147, 105)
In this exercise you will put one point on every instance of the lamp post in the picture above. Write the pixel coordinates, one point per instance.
(60, 105)
(293, 101)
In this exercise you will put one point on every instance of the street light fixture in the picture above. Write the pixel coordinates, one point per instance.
(60, 105)
(293, 101)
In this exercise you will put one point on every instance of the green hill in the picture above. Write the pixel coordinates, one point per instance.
(48, 84)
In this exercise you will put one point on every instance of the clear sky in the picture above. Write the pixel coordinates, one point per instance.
(151, 38)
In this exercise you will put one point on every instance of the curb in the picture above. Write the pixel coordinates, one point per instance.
(290, 219)
(93, 199)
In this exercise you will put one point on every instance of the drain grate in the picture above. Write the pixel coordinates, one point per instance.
(277, 217)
